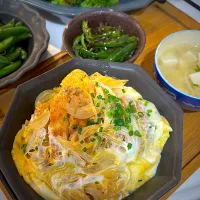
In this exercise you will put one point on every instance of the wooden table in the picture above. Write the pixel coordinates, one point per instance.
(158, 21)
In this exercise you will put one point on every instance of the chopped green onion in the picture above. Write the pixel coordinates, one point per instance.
(92, 95)
(23, 148)
(99, 114)
(45, 140)
(136, 117)
(195, 85)
(106, 91)
(84, 149)
(119, 122)
(80, 130)
(90, 122)
(140, 114)
(119, 111)
(146, 103)
(137, 133)
(130, 133)
(197, 69)
(96, 134)
(74, 127)
(98, 105)
(96, 182)
(148, 112)
(99, 97)
(150, 126)
(64, 119)
(36, 148)
(99, 138)
(130, 127)
(127, 118)
(92, 139)
(81, 142)
(130, 108)
(139, 180)
(100, 129)
(110, 113)
(104, 108)
(99, 120)
(97, 84)
(129, 146)
(117, 128)
(123, 90)
(106, 101)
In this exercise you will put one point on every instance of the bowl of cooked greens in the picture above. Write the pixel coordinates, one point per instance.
(71, 8)
(104, 35)
(23, 39)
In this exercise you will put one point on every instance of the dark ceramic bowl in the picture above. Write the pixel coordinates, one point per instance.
(112, 18)
(22, 106)
(35, 46)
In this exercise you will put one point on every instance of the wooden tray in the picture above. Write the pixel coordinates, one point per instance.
(158, 21)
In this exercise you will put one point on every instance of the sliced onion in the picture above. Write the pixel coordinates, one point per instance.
(94, 192)
(41, 121)
(84, 112)
(36, 138)
(44, 96)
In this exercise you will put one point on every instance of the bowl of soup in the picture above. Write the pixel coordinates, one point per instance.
(177, 68)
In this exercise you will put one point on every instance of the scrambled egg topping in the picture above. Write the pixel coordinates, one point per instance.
(91, 138)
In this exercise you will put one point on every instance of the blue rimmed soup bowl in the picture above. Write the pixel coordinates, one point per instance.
(186, 101)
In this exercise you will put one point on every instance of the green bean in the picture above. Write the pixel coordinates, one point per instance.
(99, 55)
(88, 54)
(106, 53)
(76, 50)
(14, 31)
(111, 34)
(104, 28)
(19, 24)
(121, 41)
(24, 54)
(10, 49)
(8, 25)
(132, 39)
(83, 41)
(120, 55)
(5, 44)
(87, 31)
(12, 56)
(10, 68)
(21, 37)
(76, 40)
(4, 60)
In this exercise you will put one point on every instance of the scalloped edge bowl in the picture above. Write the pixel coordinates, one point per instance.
(39, 41)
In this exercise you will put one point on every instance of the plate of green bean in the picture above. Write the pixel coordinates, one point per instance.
(12, 54)
(23, 39)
